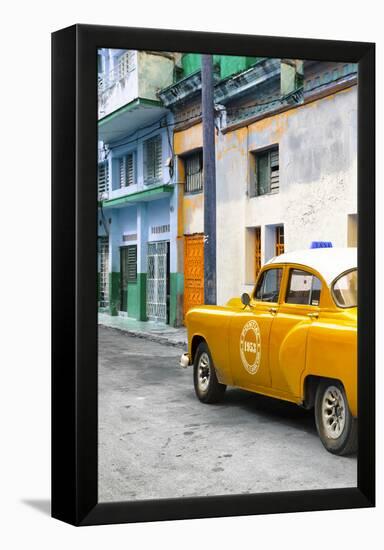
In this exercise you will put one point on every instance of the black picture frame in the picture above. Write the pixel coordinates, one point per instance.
(74, 261)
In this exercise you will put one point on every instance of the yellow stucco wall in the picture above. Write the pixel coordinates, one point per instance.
(189, 139)
(191, 209)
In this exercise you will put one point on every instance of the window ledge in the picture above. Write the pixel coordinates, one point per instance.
(271, 194)
(189, 193)
(123, 191)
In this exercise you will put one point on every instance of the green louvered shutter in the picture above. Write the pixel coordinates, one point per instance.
(153, 160)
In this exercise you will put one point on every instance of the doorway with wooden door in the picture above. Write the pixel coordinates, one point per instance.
(128, 273)
(193, 271)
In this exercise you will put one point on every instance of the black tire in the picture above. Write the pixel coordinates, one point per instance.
(336, 426)
(207, 387)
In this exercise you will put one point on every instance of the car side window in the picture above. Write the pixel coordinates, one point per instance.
(303, 288)
(268, 286)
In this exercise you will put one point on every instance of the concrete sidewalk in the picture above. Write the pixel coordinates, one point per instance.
(156, 332)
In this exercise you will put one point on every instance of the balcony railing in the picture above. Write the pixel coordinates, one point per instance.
(119, 75)
(125, 65)
(103, 180)
(136, 76)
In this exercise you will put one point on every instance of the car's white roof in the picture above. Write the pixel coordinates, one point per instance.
(329, 262)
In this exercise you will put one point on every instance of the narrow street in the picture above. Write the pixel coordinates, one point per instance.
(156, 440)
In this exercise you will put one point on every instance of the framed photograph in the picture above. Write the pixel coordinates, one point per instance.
(213, 202)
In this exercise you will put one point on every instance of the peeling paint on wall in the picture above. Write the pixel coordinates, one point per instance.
(317, 183)
(193, 214)
(189, 139)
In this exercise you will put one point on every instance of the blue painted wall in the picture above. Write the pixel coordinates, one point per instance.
(141, 217)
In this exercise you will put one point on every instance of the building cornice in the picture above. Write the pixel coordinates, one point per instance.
(309, 97)
(144, 195)
(229, 88)
(129, 107)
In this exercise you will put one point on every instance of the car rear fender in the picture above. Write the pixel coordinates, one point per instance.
(332, 353)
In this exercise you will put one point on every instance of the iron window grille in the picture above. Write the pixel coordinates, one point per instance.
(266, 177)
(194, 172)
(123, 66)
(129, 237)
(158, 281)
(126, 64)
(152, 160)
(156, 229)
(103, 272)
(127, 170)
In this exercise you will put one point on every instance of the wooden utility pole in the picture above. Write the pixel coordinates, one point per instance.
(209, 168)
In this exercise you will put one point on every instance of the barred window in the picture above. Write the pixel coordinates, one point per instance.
(103, 178)
(266, 178)
(126, 64)
(127, 170)
(152, 160)
(103, 253)
(194, 172)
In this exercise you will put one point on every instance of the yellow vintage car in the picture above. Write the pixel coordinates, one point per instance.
(294, 338)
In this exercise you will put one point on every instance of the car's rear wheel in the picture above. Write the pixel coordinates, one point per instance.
(334, 422)
(207, 387)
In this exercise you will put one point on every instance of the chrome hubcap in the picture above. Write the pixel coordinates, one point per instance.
(203, 372)
(333, 411)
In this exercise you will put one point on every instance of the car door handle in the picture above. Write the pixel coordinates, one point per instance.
(313, 315)
(272, 310)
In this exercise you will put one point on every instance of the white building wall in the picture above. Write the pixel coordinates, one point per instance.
(231, 188)
(148, 73)
(318, 184)
(122, 91)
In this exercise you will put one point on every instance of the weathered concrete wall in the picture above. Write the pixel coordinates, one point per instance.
(158, 215)
(193, 213)
(318, 184)
(192, 208)
(155, 73)
(231, 188)
(188, 140)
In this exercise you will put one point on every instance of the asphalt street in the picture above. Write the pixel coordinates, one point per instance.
(156, 440)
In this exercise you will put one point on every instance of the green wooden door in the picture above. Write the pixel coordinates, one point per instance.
(128, 272)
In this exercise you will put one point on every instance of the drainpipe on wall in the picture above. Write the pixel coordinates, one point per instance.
(104, 221)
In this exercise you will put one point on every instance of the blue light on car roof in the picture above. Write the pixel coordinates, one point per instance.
(321, 244)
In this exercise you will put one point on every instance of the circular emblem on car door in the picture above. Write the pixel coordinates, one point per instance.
(250, 347)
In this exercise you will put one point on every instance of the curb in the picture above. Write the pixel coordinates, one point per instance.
(149, 336)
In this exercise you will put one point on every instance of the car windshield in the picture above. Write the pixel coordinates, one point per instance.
(344, 289)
